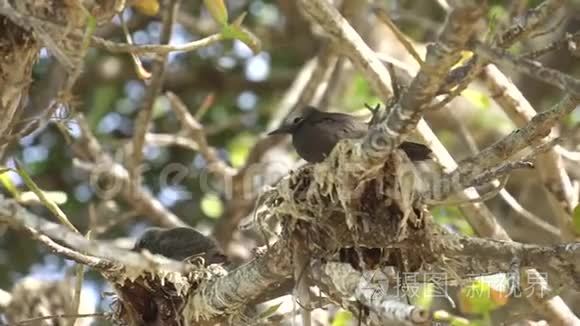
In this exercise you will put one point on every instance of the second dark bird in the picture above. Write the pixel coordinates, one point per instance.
(180, 243)
(315, 133)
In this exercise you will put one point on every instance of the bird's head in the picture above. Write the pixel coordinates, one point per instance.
(147, 239)
(294, 121)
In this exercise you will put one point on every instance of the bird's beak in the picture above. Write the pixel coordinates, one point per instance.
(283, 129)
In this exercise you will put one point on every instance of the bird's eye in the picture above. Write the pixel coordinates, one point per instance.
(297, 120)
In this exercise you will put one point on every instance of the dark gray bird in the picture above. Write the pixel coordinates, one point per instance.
(315, 133)
(181, 243)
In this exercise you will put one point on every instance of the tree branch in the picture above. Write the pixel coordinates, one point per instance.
(102, 167)
(152, 91)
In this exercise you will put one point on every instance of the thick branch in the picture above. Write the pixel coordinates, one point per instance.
(19, 218)
(460, 26)
(241, 286)
(348, 281)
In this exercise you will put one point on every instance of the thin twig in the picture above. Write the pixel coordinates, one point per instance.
(318, 82)
(158, 49)
(531, 68)
(99, 164)
(139, 69)
(522, 27)
(171, 140)
(62, 316)
(539, 127)
(92, 261)
(554, 46)
(151, 93)
(197, 133)
(99, 255)
(383, 15)
(205, 106)
(503, 193)
(550, 164)
(532, 20)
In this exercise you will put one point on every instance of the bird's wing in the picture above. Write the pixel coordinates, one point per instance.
(190, 242)
(416, 151)
(345, 126)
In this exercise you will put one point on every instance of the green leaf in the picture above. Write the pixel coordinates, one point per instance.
(576, 220)
(58, 197)
(48, 203)
(342, 318)
(238, 21)
(235, 32)
(270, 311)
(6, 181)
(218, 10)
(212, 206)
(89, 31)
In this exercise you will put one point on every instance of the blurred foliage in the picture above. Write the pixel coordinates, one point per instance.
(576, 220)
(479, 100)
(8, 183)
(342, 318)
(480, 297)
(358, 93)
(452, 219)
(212, 206)
(445, 316)
(424, 296)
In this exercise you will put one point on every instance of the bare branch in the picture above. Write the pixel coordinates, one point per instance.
(460, 26)
(242, 285)
(534, 69)
(151, 92)
(532, 20)
(550, 165)
(349, 43)
(101, 165)
(62, 316)
(196, 131)
(368, 290)
(111, 257)
(158, 49)
(539, 127)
